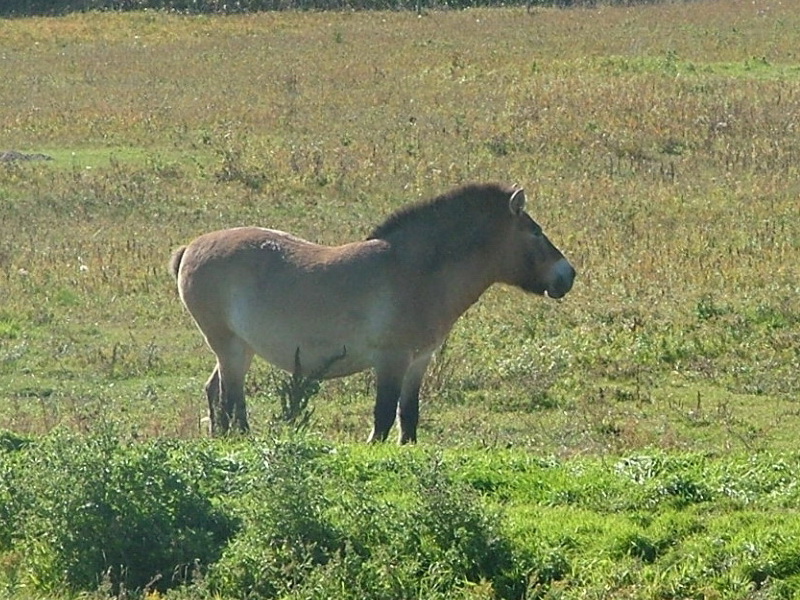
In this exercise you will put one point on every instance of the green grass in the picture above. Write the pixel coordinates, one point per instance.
(658, 148)
(294, 517)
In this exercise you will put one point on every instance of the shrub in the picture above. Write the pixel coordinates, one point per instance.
(85, 509)
(10, 443)
(458, 536)
(307, 534)
(286, 533)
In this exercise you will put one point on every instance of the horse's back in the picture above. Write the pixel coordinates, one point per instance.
(278, 293)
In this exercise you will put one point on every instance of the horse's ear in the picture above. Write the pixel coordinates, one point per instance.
(517, 201)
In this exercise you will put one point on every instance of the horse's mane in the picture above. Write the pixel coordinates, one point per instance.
(458, 210)
(448, 228)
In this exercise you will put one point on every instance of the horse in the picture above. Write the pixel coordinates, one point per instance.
(385, 303)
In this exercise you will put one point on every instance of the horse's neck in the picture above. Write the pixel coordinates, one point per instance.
(463, 283)
(455, 276)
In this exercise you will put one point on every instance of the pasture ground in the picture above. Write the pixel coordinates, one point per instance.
(659, 149)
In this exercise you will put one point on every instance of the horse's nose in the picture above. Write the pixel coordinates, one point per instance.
(563, 276)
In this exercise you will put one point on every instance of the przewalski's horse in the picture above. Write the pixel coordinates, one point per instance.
(386, 303)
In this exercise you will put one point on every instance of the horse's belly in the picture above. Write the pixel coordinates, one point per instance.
(322, 359)
(332, 325)
(325, 348)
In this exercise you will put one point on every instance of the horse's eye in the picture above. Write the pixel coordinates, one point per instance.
(531, 226)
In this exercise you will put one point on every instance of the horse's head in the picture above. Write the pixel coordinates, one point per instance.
(532, 262)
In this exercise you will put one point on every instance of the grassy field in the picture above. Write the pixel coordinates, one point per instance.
(658, 146)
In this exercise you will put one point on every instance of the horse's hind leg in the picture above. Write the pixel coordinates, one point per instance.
(218, 418)
(225, 387)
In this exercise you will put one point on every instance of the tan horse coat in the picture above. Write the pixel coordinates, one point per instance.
(385, 303)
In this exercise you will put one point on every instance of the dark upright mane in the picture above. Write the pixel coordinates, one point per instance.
(447, 228)
(454, 211)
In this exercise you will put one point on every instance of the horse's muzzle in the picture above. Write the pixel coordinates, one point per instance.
(563, 276)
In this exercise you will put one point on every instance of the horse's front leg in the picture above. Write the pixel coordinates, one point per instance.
(390, 383)
(409, 399)
(385, 409)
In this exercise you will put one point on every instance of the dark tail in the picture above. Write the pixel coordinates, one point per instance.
(175, 261)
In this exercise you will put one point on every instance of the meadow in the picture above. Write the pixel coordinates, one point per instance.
(636, 439)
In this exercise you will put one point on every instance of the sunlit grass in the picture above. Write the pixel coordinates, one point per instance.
(657, 144)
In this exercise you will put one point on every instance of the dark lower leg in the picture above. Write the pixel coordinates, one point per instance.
(218, 418)
(385, 410)
(409, 400)
(232, 367)
(409, 418)
(232, 407)
(239, 416)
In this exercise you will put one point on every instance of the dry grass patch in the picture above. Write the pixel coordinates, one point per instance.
(657, 144)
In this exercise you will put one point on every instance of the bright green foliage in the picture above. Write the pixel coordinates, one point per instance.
(312, 531)
(351, 522)
(81, 509)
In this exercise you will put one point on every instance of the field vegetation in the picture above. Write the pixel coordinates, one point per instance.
(635, 440)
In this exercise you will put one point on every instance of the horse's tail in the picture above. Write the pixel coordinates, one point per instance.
(175, 261)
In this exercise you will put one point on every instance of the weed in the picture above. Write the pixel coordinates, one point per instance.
(295, 392)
